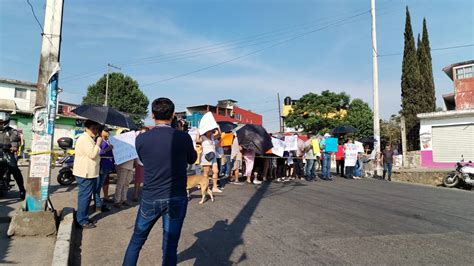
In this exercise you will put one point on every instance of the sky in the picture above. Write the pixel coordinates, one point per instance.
(197, 52)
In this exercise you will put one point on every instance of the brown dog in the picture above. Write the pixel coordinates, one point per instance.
(203, 182)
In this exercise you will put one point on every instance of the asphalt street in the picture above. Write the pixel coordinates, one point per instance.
(358, 222)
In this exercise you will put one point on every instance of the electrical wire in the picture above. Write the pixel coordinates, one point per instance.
(433, 49)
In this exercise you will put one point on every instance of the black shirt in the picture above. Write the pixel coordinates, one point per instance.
(165, 153)
(387, 156)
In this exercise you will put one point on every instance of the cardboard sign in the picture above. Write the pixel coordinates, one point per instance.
(316, 148)
(331, 145)
(360, 146)
(350, 154)
(278, 147)
(291, 143)
(124, 147)
(192, 133)
(207, 123)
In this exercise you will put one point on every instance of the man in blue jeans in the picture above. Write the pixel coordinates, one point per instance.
(326, 169)
(165, 153)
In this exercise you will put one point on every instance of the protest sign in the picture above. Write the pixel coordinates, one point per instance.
(124, 147)
(331, 145)
(207, 123)
(316, 148)
(350, 154)
(291, 143)
(192, 133)
(278, 147)
(360, 146)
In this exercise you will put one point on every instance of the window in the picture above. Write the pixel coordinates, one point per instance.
(20, 93)
(60, 109)
(464, 72)
(237, 116)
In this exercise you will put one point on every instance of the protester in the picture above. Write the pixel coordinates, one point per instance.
(310, 157)
(326, 156)
(298, 160)
(340, 159)
(124, 176)
(387, 159)
(219, 153)
(86, 169)
(139, 173)
(249, 158)
(349, 164)
(226, 143)
(9, 142)
(165, 153)
(236, 161)
(209, 157)
(106, 166)
(290, 166)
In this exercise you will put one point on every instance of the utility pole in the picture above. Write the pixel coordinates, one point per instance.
(279, 112)
(45, 109)
(107, 83)
(375, 76)
(404, 141)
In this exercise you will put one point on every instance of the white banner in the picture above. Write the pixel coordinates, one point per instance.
(350, 154)
(207, 123)
(124, 147)
(291, 143)
(278, 147)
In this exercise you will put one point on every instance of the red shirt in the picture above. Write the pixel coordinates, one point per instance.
(340, 153)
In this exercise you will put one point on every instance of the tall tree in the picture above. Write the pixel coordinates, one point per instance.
(411, 86)
(318, 113)
(426, 71)
(124, 95)
(360, 116)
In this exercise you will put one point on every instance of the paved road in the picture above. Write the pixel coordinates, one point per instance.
(341, 222)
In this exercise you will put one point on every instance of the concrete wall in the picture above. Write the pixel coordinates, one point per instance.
(7, 91)
(426, 143)
(464, 93)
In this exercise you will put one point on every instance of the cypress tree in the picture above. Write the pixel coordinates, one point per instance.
(426, 70)
(412, 94)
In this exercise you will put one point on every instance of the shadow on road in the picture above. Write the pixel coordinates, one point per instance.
(5, 241)
(216, 245)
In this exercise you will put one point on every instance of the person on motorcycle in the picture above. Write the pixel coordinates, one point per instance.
(9, 141)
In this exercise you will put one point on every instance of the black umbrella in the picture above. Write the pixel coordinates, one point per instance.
(226, 126)
(255, 138)
(368, 140)
(341, 130)
(105, 115)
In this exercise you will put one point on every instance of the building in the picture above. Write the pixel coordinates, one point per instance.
(23, 93)
(225, 110)
(447, 136)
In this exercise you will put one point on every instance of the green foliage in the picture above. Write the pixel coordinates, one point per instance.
(312, 112)
(426, 71)
(124, 95)
(390, 130)
(412, 87)
(360, 116)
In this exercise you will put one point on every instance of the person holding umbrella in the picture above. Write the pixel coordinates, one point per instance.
(86, 169)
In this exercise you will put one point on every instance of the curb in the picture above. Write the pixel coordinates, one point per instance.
(62, 247)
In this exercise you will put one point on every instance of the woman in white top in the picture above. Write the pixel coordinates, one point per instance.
(209, 157)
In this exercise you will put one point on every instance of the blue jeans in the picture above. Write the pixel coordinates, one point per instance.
(98, 187)
(387, 168)
(326, 165)
(86, 188)
(309, 169)
(227, 167)
(173, 211)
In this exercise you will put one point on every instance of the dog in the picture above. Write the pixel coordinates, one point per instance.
(203, 182)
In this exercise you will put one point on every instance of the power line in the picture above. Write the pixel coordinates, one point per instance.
(338, 23)
(34, 15)
(434, 49)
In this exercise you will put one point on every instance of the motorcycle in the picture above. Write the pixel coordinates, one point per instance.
(65, 176)
(464, 174)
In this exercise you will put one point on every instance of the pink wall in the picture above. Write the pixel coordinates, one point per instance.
(428, 162)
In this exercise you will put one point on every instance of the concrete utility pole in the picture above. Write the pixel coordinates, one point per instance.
(279, 113)
(107, 83)
(404, 141)
(45, 108)
(375, 77)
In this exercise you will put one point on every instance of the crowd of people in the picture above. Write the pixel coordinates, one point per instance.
(166, 156)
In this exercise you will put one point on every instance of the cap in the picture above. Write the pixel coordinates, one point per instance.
(327, 135)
